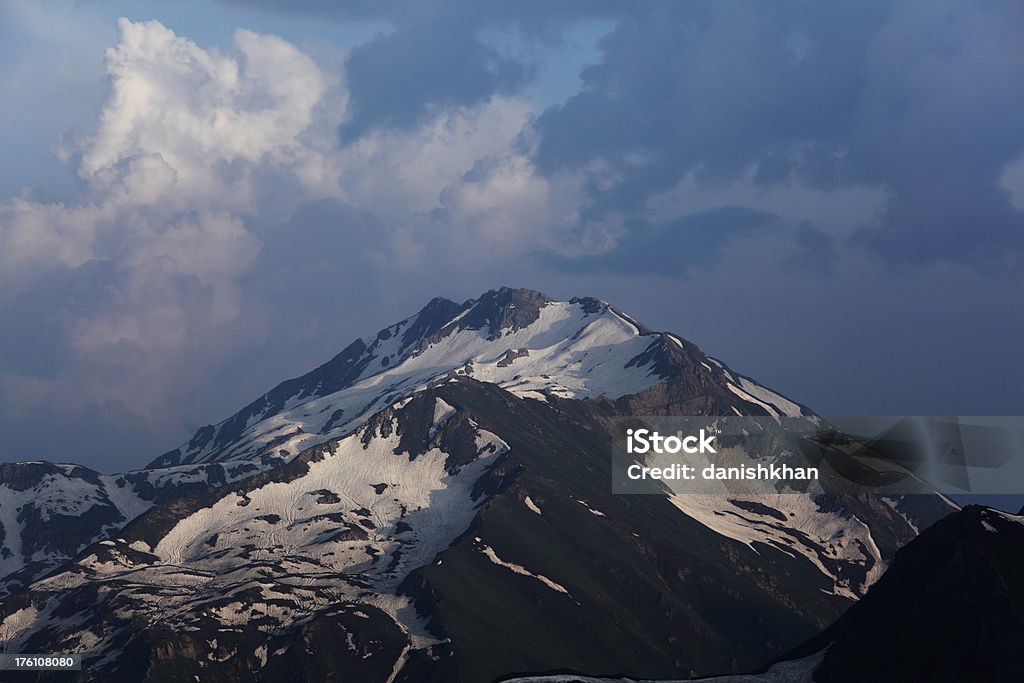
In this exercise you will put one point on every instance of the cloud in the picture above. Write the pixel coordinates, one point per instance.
(916, 99)
(816, 250)
(212, 180)
(251, 207)
(913, 100)
(395, 83)
(137, 280)
(399, 173)
(935, 123)
(207, 118)
(674, 248)
(441, 54)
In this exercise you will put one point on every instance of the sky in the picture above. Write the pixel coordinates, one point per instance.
(201, 199)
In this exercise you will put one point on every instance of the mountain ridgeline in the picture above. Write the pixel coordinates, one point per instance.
(434, 504)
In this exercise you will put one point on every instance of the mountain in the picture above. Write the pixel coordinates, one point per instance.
(434, 503)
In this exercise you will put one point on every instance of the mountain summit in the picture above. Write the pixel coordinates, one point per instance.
(518, 339)
(434, 504)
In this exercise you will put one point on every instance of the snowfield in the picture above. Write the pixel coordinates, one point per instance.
(349, 529)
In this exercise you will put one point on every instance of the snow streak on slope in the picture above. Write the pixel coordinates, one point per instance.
(519, 569)
(772, 403)
(780, 403)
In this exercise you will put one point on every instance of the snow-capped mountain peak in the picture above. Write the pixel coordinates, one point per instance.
(519, 339)
(410, 492)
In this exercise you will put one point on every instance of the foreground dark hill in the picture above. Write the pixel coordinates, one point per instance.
(443, 512)
(950, 608)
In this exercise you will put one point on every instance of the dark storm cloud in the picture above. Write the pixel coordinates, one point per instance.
(918, 98)
(816, 250)
(936, 123)
(713, 84)
(436, 55)
(922, 99)
(676, 247)
(394, 81)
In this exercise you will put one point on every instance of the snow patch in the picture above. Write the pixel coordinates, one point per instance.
(783, 404)
(533, 506)
(17, 622)
(750, 399)
(442, 413)
(893, 503)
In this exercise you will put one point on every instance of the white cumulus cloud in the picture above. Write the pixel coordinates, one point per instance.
(200, 111)
(157, 272)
